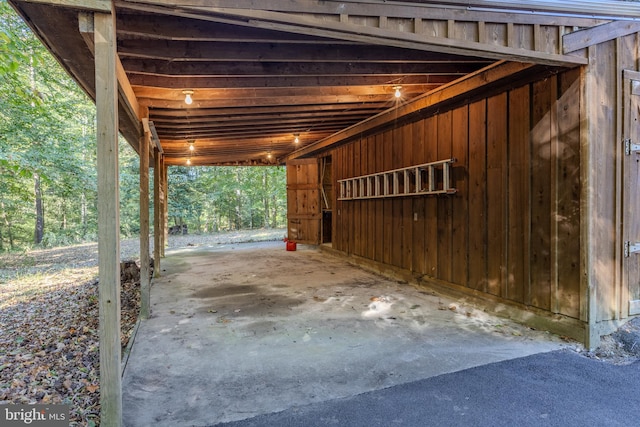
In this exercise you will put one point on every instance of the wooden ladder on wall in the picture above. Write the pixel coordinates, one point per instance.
(425, 179)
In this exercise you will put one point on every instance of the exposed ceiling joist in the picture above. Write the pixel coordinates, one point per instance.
(262, 71)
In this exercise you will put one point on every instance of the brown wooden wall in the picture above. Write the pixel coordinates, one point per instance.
(303, 201)
(604, 179)
(513, 228)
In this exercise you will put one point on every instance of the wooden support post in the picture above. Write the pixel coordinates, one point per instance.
(157, 213)
(108, 219)
(144, 226)
(165, 207)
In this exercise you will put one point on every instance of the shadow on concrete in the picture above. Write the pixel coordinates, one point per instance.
(242, 330)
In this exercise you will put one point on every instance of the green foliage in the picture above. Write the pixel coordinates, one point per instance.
(211, 199)
(48, 142)
(47, 139)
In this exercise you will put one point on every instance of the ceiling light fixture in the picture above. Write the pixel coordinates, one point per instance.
(187, 97)
(269, 155)
(296, 138)
(191, 147)
(397, 93)
(189, 162)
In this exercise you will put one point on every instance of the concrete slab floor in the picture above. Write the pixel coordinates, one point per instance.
(247, 329)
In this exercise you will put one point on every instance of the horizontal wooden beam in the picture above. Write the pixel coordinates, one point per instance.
(268, 122)
(448, 94)
(181, 51)
(262, 102)
(165, 27)
(291, 117)
(159, 114)
(460, 10)
(281, 140)
(284, 92)
(591, 36)
(431, 64)
(207, 82)
(257, 160)
(246, 131)
(88, 5)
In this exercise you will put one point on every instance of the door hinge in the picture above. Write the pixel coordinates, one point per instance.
(630, 147)
(631, 248)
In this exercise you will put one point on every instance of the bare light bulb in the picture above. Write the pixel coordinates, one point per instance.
(187, 97)
(188, 162)
(296, 139)
(398, 94)
(191, 147)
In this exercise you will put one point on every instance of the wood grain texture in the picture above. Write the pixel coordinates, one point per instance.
(145, 285)
(303, 201)
(568, 193)
(496, 193)
(108, 219)
(540, 260)
(371, 205)
(407, 202)
(445, 204)
(431, 203)
(418, 241)
(356, 205)
(387, 215)
(460, 201)
(478, 196)
(397, 236)
(519, 213)
(379, 204)
(602, 112)
(518, 180)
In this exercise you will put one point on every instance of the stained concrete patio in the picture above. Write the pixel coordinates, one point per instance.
(248, 329)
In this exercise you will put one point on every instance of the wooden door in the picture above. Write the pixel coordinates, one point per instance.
(631, 190)
(303, 201)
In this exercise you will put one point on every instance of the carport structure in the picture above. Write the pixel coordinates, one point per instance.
(505, 171)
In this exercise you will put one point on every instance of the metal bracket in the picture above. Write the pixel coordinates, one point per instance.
(631, 248)
(630, 147)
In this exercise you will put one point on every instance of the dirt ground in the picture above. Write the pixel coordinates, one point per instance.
(620, 348)
(49, 321)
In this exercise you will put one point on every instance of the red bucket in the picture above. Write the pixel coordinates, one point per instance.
(291, 246)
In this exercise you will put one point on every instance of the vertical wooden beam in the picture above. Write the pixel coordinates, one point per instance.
(144, 225)
(482, 32)
(556, 256)
(588, 302)
(510, 34)
(418, 26)
(165, 206)
(157, 213)
(108, 219)
(451, 25)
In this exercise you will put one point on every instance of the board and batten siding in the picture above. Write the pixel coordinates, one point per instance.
(605, 100)
(513, 229)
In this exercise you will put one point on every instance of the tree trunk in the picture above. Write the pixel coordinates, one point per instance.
(63, 214)
(7, 224)
(274, 215)
(265, 197)
(39, 229)
(83, 213)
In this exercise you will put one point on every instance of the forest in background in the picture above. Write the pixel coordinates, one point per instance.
(48, 189)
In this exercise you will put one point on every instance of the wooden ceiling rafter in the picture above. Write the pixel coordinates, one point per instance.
(262, 70)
